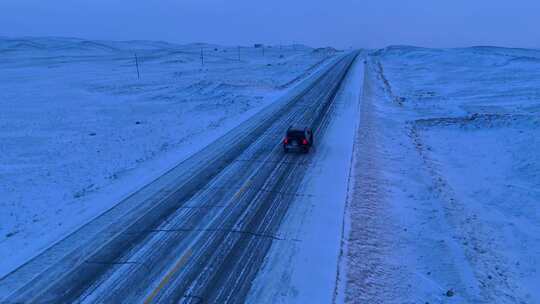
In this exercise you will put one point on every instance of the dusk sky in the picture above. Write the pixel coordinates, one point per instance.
(339, 23)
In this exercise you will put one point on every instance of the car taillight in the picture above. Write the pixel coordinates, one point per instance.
(304, 141)
(286, 141)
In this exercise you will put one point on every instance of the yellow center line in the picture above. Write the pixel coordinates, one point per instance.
(242, 189)
(183, 259)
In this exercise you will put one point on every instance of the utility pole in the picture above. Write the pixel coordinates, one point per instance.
(202, 57)
(137, 64)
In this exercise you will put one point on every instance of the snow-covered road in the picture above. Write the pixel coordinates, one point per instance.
(199, 231)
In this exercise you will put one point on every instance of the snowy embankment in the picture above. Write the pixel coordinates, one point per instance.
(79, 131)
(447, 172)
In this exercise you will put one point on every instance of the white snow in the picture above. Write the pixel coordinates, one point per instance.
(303, 267)
(447, 174)
(79, 131)
(441, 207)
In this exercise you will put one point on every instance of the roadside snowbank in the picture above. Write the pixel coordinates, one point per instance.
(79, 131)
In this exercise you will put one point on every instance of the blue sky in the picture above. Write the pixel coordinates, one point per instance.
(340, 23)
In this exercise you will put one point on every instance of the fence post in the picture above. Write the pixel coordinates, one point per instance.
(137, 64)
(202, 57)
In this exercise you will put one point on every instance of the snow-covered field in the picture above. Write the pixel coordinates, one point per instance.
(443, 200)
(447, 173)
(79, 131)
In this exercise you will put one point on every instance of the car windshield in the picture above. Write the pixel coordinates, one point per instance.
(295, 133)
